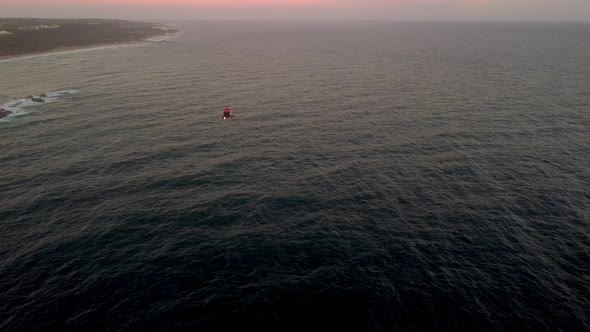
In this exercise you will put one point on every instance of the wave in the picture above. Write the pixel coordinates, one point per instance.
(148, 41)
(20, 107)
(164, 38)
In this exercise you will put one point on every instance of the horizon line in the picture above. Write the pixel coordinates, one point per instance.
(312, 20)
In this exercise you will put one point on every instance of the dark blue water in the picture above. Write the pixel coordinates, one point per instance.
(378, 177)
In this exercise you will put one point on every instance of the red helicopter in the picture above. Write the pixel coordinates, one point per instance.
(228, 112)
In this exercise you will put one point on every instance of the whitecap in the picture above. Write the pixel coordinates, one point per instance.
(19, 107)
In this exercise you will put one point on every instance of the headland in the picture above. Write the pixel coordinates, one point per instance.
(25, 36)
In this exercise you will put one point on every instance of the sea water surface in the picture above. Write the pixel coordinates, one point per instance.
(379, 176)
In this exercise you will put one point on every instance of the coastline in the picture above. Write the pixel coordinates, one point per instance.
(97, 46)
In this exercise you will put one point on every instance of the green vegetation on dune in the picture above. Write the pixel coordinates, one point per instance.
(19, 36)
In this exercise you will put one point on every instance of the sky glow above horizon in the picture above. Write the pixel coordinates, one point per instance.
(515, 10)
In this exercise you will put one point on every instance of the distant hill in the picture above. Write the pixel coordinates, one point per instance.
(19, 36)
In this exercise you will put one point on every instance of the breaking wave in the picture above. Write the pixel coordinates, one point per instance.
(21, 106)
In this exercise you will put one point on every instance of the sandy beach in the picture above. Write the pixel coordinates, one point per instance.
(94, 47)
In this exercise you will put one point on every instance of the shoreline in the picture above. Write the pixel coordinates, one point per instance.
(98, 46)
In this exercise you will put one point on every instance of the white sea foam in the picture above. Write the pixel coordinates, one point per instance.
(164, 38)
(20, 107)
(80, 50)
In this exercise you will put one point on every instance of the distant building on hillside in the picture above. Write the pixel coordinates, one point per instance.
(40, 27)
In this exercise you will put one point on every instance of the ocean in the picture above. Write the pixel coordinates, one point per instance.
(378, 177)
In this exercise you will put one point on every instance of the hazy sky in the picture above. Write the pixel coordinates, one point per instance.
(513, 10)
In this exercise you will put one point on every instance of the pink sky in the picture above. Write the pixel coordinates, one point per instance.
(550, 10)
(243, 3)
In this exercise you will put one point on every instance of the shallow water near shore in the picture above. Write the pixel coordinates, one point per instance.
(378, 177)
